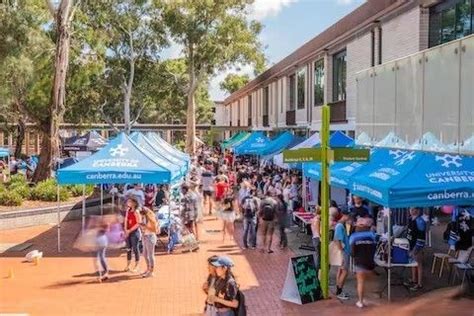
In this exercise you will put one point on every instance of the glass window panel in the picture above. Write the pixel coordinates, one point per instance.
(339, 77)
(463, 18)
(319, 82)
(265, 100)
(301, 88)
(448, 21)
(291, 92)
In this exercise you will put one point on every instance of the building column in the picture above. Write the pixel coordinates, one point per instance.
(27, 142)
(168, 136)
(2, 138)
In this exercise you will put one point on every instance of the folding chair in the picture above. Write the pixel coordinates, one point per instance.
(444, 257)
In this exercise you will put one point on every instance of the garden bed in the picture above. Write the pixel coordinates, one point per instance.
(31, 205)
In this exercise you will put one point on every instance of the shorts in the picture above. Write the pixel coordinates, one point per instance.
(418, 255)
(361, 269)
(346, 259)
(208, 193)
(267, 227)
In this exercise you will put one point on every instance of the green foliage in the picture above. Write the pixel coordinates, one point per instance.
(21, 188)
(10, 198)
(17, 179)
(47, 191)
(76, 190)
(234, 82)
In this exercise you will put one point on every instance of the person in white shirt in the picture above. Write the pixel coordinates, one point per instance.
(136, 192)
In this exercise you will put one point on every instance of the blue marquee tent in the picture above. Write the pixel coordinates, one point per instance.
(252, 145)
(167, 148)
(307, 143)
(339, 139)
(121, 161)
(177, 166)
(277, 144)
(419, 179)
(4, 152)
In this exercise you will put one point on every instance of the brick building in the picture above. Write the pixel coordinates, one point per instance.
(325, 69)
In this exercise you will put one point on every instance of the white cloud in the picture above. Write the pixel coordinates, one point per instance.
(266, 8)
(215, 91)
(347, 2)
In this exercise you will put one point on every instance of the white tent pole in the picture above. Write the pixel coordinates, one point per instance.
(83, 207)
(389, 294)
(59, 218)
(101, 199)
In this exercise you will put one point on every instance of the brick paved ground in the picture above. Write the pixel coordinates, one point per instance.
(64, 284)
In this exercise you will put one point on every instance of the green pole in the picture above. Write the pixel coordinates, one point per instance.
(325, 202)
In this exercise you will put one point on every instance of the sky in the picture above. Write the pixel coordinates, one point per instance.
(288, 24)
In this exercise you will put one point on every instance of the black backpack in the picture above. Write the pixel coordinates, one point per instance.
(249, 207)
(268, 212)
(241, 310)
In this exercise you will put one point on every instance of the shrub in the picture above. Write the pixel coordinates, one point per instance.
(21, 188)
(10, 198)
(46, 191)
(76, 190)
(18, 178)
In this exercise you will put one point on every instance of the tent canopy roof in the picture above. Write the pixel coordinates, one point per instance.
(252, 145)
(121, 161)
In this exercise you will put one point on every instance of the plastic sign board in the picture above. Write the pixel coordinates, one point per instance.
(302, 155)
(349, 155)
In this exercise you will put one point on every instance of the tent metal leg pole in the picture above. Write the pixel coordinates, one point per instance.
(83, 207)
(59, 218)
(389, 288)
(101, 199)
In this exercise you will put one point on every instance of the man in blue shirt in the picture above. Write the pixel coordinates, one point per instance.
(342, 239)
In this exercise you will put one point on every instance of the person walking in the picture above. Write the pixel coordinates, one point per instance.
(316, 240)
(207, 182)
(149, 229)
(102, 242)
(268, 210)
(189, 209)
(416, 236)
(227, 215)
(132, 232)
(342, 240)
(282, 217)
(363, 247)
(249, 210)
(222, 298)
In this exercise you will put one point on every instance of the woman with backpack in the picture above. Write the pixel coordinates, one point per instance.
(222, 299)
(149, 229)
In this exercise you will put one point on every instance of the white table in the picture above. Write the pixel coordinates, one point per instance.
(388, 267)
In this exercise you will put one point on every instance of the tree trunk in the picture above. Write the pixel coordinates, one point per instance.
(191, 124)
(128, 96)
(50, 141)
(20, 137)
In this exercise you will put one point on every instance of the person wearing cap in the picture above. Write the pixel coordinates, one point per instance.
(342, 241)
(211, 277)
(222, 297)
(363, 246)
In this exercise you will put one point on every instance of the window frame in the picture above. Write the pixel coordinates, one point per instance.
(320, 81)
(291, 92)
(339, 95)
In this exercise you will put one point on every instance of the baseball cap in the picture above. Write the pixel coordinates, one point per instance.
(223, 261)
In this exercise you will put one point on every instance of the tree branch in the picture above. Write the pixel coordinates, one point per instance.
(137, 116)
(51, 9)
(107, 118)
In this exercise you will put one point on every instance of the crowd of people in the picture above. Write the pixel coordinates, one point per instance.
(263, 198)
(25, 166)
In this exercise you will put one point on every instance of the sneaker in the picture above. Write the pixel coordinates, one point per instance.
(360, 304)
(409, 283)
(270, 251)
(416, 287)
(343, 296)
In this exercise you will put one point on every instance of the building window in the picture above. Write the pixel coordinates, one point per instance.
(301, 87)
(319, 82)
(265, 100)
(339, 75)
(372, 47)
(380, 46)
(291, 93)
(450, 20)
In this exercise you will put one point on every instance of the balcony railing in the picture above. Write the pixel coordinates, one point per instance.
(422, 95)
(265, 121)
(290, 118)
(338, 112)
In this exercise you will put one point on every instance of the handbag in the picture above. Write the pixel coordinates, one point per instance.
(335, 254)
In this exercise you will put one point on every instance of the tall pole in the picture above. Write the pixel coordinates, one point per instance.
(325, 202)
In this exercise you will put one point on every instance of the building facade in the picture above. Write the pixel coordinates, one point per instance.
(324, 70)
